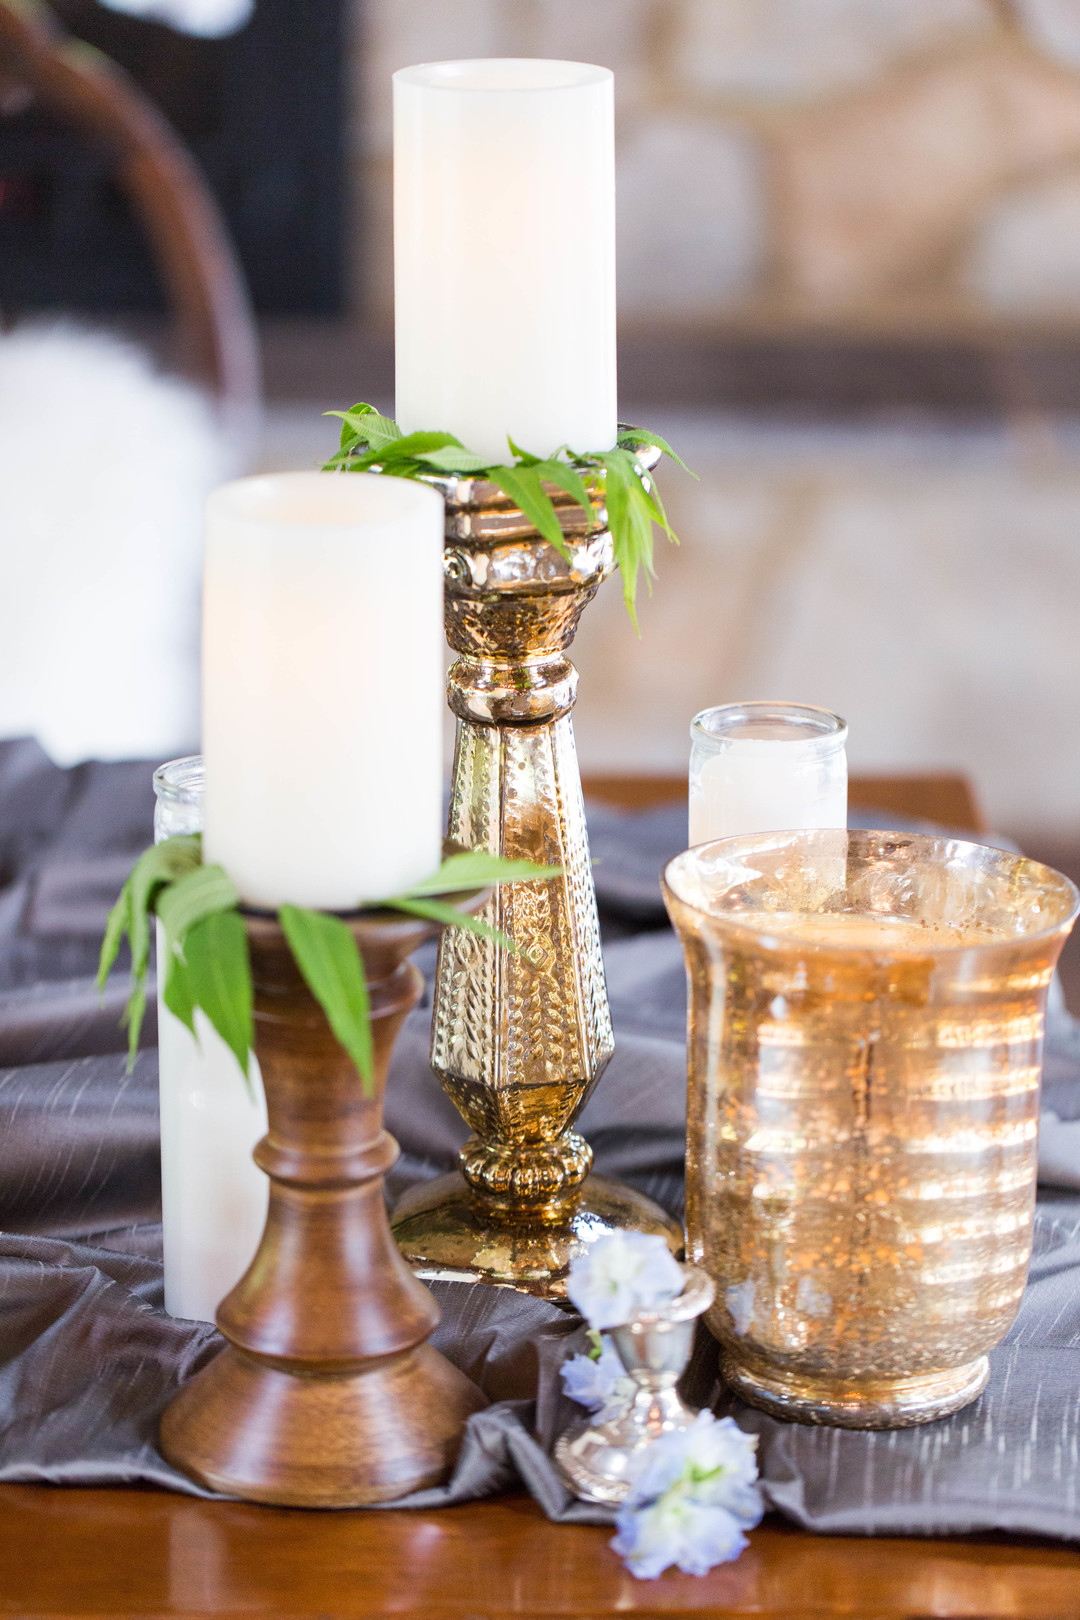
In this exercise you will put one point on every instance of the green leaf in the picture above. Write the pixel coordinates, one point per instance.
(177, 992)
(180, 907)
(442, 912)
(633, 506)
(370, 441)
(361, 408)
(191, 898)
(380, 432)
(115, 929)
(656, 507)
(364, 424)
(326, 954)
(633, 437)
(523, 487)
(132, 1020)
(477, 869)
(218, 971)
(416, 445)
(567, 478)
(160, 864)
(620, 523)
(156, 867)
(453, 459)
(523, 456)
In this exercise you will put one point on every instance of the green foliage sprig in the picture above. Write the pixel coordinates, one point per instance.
(206, 952)
(374, 443)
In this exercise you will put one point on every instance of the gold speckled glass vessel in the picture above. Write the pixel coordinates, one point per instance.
(865, 1049)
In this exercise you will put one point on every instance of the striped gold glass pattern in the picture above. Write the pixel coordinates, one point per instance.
(865, 1046)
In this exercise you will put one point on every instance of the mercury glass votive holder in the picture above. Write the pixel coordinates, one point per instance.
(865, 1051)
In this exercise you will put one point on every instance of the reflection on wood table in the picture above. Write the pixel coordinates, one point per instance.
(83, 1553)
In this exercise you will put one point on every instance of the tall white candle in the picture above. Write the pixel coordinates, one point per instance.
(766, 767)
(213, 1194)
(504, 253)
(323, 686)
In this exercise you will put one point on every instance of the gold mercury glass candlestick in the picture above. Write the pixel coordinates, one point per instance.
(520, 1040)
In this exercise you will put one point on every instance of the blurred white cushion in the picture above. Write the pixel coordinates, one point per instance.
(207, 19)
(104, 468)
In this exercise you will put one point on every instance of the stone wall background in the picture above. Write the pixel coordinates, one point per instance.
(869, 163)
(895, 169)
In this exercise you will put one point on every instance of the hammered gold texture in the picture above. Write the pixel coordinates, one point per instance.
(862, 1119)
(521, 1037)
(512, 631)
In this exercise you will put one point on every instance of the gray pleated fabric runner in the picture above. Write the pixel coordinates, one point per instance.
(88, 1358)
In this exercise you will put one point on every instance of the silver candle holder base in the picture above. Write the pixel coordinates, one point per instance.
(599, 1460)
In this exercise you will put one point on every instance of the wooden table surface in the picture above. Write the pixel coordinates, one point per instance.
(87, 1553)
(91, 1553)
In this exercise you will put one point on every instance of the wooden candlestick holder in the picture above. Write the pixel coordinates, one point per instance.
(327, 1394)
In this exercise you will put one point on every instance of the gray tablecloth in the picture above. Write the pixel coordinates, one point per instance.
(88, 1358)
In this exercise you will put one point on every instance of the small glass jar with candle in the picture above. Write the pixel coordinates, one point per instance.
(213, 1195)
(766, 767)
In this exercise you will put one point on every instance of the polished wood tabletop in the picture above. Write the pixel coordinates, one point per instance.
(72, 1552)
(90, 1553)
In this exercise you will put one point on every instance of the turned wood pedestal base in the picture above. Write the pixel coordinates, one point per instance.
(327, 1394)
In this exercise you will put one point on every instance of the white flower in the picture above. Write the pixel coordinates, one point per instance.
(714, 1456)
(676, 1530)
(694, 1496)
(594, 1381)
(621, 1275)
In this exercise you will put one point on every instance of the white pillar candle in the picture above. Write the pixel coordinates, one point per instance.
(323, 687)
(504, 253)
(766, 767)
(213, 1194)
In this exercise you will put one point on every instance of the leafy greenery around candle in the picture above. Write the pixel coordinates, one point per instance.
(374, 443)
(206, 957)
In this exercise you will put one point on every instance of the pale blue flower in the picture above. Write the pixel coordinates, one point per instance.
(676, 1530)
(714, 1456)
(621, 1275)
(593, 1381)
(694, 1496)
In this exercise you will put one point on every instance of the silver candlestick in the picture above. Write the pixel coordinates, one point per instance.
(599, 1459)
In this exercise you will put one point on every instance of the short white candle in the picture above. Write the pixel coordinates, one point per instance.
(766, 767)
(504, 253)
(323, 687)
(213, 1194)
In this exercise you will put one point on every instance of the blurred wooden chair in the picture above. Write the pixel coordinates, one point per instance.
(218, 342)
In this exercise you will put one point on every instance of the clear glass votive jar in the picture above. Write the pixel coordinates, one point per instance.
(865, 1050)
(178, 798)
(213, 1194)
(764, 767)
